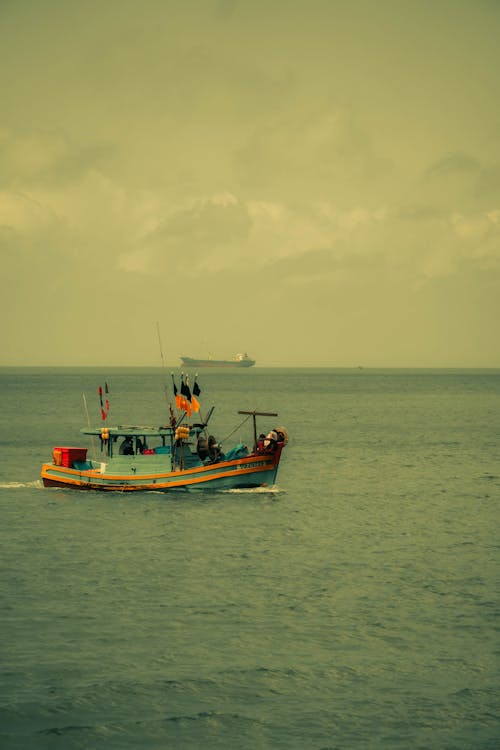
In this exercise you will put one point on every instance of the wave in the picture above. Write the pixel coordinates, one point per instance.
(37, 483)
(274, 490)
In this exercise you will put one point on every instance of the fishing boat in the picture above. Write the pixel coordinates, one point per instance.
(240, 360)
(177, 456)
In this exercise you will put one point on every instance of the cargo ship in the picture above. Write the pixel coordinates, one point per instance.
(240, 360)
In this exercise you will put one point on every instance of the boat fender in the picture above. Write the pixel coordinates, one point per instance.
(182, 433)
(104, 437)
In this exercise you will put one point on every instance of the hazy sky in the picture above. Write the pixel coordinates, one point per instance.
(316, 182)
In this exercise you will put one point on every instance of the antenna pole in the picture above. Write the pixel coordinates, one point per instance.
(88, 422)
(162, 361)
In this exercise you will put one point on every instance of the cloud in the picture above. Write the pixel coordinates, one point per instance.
(460, 180)
(189, 239)
(310, 152)
(304, 239)
(23, 214)
(327, 155)
(453, 164)
(35, 159)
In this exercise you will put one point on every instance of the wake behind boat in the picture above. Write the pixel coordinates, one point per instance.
(177, 456)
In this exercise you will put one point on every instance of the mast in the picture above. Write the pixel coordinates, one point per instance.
(255, 414)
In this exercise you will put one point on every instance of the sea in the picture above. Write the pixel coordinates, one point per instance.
(352, 605)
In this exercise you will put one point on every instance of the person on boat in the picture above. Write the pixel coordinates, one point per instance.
(202, 447)
(139, 447)
(127, 447)
(214, 449)
(260, 442)
(271, 441)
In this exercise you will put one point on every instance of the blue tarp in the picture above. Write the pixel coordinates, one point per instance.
(239, 451)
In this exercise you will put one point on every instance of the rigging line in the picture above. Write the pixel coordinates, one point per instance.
(162, 362)
(159, 341)
(236, 428)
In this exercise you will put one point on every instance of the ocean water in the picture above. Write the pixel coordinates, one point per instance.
(353, 605)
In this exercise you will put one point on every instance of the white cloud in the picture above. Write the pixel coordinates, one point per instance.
(471, 227)
(220, 199)
(28, 156)
(23, 214)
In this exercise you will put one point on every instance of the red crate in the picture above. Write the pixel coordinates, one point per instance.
(67, 455)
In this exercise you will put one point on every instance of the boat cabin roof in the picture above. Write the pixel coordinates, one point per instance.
(132, 430)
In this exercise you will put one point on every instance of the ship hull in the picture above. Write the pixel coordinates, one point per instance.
(253, 471)
(192, 362)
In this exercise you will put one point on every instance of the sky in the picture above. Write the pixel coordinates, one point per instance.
(314, 182)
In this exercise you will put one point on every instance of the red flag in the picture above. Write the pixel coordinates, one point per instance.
(104, 407)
